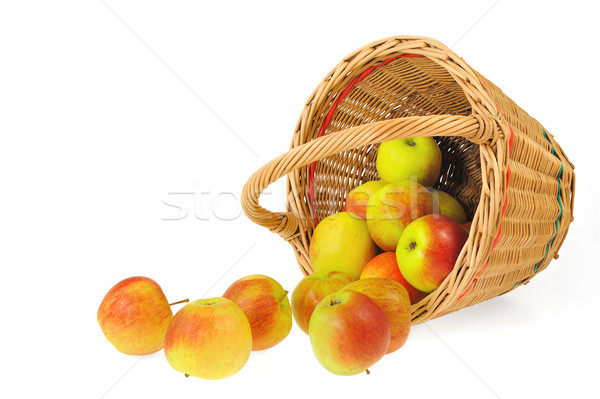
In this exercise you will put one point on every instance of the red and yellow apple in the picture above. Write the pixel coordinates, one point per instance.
(311, 290)
(358, 198)
(134, 316)
(445, 204)
(266, 305)
(392, 208)
(348, 332)
(341, 242)
(209, 338)
(393, 299)
(385, 265)
(428, 250)
(417, 158)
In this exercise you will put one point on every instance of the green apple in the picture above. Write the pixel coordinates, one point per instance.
(417, 158)
(341, 242)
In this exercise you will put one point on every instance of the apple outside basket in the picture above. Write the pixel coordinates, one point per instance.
(507, 171)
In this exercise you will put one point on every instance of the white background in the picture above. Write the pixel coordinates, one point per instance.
(108, 110)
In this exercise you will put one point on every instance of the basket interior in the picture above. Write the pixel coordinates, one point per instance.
(404, 87)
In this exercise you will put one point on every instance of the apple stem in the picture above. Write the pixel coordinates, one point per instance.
(178, 302)
(367, 371)
(284, 295)
(334, 302)
(186, 375)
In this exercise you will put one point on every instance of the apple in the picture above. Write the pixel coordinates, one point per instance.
(445, 204)
(468, 225)
(311, 290)
(428, 250)
(417, 158)
(392, 208)
(358, 198)
(209, 338)
(385, 265)
(348, 332)
(134, 316)
(393, 299)
(341, 242)
(266, 305)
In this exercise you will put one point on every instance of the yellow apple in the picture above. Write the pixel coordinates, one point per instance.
(392, 208)
(267, 307)
(341, 242)
(447, 205)
(209, 338)
(358, 199)
(311, 290)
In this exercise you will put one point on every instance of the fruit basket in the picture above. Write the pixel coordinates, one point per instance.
(511, 176)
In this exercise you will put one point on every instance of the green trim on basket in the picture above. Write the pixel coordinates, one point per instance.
(535, 269)
(559, 204)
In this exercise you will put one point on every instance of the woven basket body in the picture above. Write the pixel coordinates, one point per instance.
(507, 171)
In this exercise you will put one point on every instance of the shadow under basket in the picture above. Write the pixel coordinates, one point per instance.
(508, 172)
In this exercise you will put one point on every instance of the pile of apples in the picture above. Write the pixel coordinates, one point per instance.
(400, 215)
(209, 338)
(395, 242)
(398, 230)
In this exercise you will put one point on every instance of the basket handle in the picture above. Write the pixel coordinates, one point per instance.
(476, 128)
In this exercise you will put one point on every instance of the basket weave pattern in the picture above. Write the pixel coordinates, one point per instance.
(509, 174)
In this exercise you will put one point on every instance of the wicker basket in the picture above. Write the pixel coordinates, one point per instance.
(509, 174)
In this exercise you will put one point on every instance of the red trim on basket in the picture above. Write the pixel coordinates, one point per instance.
(313, 166)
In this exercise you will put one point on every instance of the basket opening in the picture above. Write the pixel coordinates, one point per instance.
(414, 86)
